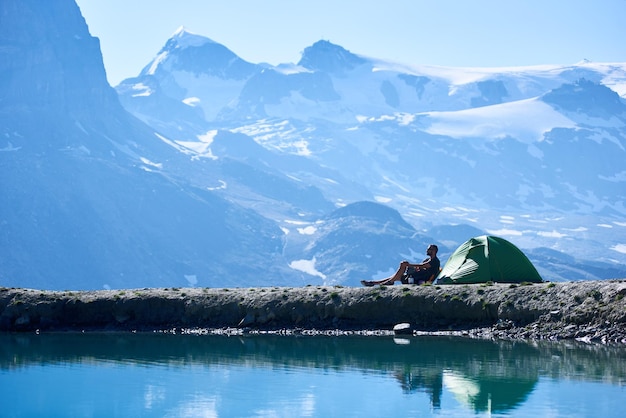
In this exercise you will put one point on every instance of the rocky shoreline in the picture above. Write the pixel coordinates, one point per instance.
(592, 311)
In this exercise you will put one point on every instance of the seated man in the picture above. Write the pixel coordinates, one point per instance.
(412, 273)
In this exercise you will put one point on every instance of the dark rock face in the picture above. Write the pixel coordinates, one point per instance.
(491, 92)
(49, 60)
(587, 97)
(328, 57)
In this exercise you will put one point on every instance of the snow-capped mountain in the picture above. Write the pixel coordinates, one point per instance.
(535, 154)
(331, 83)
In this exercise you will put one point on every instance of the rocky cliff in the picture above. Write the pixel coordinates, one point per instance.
(49, 60)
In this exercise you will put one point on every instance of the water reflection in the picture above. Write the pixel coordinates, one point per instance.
(481, 375)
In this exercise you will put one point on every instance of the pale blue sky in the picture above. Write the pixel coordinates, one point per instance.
(459, 33)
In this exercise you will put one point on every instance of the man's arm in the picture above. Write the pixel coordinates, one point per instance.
(424, 265)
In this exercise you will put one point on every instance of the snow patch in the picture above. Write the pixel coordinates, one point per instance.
(308, 230)
(173, 144)
(405, 119)
(150, 163)
(200, 148)
(208, 137)
(222, 186)
(185, 38)
(382, 199)
(280, 135)
(290, 68)
(156, 62)
(620, 248)
(578, 229)
(499, 121)
(307, 266)
(551, 234)
(141, 89)
(396, 184)
(288, 221)
(191, 101)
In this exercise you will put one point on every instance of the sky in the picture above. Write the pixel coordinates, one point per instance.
(456, 33)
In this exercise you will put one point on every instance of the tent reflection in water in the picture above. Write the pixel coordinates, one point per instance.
(488, 258)
(489, 393)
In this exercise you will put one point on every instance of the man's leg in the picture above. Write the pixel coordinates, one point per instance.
(389, 280)
(398, 275)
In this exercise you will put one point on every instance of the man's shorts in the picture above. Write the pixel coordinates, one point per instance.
(414, 276)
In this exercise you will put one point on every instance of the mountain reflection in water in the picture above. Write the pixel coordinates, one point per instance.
(483, 375)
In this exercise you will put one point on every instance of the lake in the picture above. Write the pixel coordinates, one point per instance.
(166, 375)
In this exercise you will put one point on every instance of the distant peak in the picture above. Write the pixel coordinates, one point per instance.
(326, 56)
(324, 44)
(184, 38)
(181, 29)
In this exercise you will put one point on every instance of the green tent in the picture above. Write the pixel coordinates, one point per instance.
(486, 258)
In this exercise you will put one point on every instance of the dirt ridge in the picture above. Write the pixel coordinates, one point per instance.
(584, 310)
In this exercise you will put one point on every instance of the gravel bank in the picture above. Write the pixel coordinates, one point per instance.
(589, 310)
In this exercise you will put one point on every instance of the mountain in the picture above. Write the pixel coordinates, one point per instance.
(158, 97)
(90, 196)
(497, 150)
(359, 239)
(207, 170)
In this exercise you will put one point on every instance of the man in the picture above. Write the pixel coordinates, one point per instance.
(412, 273)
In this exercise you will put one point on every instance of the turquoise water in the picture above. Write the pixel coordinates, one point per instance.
(157, 375)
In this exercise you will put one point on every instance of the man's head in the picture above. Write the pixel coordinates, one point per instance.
(432, 250)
